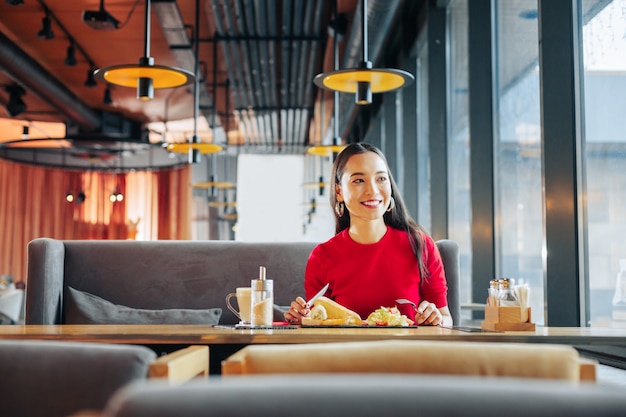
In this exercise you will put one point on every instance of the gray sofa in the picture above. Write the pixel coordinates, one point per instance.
(155, 275)
(149, 277)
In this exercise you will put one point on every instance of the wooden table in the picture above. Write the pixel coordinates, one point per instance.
(224, 341)
(208, 335)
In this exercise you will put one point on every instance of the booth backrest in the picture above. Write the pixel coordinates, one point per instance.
(450, 257)
(374, 395)
(166, 274)
(410, 356)
(56, 378)
(156, 274)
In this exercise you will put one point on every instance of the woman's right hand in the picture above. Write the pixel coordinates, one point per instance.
(297, 310)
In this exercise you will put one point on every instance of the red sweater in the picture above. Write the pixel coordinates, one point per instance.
(365, 277)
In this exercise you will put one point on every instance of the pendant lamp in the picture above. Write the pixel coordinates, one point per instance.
(145, 76)
(194, 148)
(364, 80)
(336, 146)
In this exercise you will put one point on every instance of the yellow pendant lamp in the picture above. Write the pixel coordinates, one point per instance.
(145, 76)
(364, 80)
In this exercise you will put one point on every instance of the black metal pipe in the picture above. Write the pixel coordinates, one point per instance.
(33, 77)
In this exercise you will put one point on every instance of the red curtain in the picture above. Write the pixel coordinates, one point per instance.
(155, 205)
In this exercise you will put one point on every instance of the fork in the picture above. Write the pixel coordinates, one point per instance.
(405, 301)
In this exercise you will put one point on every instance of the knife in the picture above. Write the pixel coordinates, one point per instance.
(309, 303)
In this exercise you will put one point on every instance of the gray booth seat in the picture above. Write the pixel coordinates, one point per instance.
(56, 378)
(372, 395)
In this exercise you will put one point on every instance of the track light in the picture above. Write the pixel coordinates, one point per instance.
(116, 197)
(25, 132)
(91, 79)
(70, 58)
(76, 199)
(100, 19)
(15, 105)
(46, 28)
(107, 100)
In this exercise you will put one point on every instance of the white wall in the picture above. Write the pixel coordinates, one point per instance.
(271, 201)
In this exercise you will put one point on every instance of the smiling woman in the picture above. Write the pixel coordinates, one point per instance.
(379, 253)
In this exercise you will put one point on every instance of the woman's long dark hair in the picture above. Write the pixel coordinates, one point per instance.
(398, 218)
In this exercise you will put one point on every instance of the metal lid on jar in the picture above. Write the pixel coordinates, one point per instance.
(262, 284)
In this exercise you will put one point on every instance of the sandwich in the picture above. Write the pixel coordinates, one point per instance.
(327, 312)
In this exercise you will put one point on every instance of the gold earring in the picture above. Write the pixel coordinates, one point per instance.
(392, 205)
(340, 208)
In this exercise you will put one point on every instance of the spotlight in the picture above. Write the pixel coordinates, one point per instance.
(46, 28)
(25, 132)
(116, 196)
(100, 19)
(107, 99)
(91, 80)
(76, 199)
(16, 105)
(80, 197)
(70, 58)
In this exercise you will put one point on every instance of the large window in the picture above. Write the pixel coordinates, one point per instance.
(423, 150)
(518, 188)
(458, 143)
(604, 52)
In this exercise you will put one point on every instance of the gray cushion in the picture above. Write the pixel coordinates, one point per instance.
(86, 308)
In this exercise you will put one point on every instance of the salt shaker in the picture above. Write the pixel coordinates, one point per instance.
(262, 300)
(506, 296)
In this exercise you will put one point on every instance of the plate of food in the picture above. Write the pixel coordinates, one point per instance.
(329, 313)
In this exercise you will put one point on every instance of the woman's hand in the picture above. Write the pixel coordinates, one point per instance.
(297, 310)
(428, 314)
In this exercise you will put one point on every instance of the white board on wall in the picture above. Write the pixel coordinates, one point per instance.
(269, 198)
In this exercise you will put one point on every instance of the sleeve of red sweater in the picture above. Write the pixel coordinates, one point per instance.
(434, 287)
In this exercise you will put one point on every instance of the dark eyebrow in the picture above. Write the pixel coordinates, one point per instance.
(376, 173)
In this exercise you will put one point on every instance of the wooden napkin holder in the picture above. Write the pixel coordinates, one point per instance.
(499, 318)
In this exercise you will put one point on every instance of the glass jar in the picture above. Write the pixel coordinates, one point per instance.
(262, 300)
(506, 294)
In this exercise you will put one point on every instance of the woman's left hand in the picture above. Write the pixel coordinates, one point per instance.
(428, 314)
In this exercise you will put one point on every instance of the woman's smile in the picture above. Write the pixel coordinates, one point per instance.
(372, 203)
